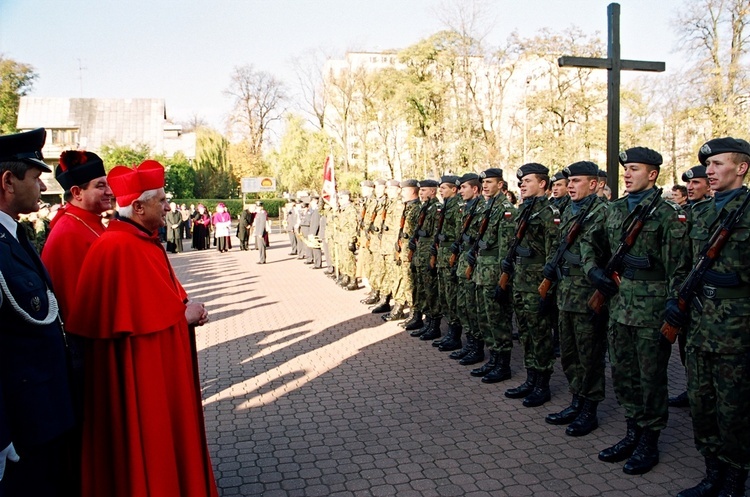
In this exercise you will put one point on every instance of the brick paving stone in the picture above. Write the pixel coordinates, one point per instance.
(307, 393)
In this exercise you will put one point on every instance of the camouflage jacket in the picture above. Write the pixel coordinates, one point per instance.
(389, 226)
(561, 203)
(477, 205)
(494, 243)
(722, 327)
(574, 288)
(410, 213)
(538, 244)
(347, 221)
(662, 247)
(422, 255)
(380, 208)
(451, 229)
(366, 206)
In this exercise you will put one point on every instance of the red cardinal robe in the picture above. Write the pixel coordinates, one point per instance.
(143, 418)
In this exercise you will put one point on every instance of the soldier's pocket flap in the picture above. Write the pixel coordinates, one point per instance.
(699, 233)
(740, 234)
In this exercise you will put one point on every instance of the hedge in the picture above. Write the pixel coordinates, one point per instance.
(234, 205)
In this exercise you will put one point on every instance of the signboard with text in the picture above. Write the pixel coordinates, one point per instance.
(258, 184)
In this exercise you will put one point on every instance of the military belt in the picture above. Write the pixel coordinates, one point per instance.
(494, 252)
(718, 293)
(643, 274)
(571, 271)
(422, 233)
(537, 259)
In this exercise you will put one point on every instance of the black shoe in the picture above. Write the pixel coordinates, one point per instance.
(679, 401)
(646, 454)
(415, 321)
(475, 355)
(586, 422)
(567, 415)
(710, 486)
(734, 484)
(541, 393)
(382, 306)
(524, 388)
(501, 371)
(307, 262)
(463, 351)
(452, 339)
(625, 447)
(433, 331)
(425, 326)
(353, 285)
(486, 367)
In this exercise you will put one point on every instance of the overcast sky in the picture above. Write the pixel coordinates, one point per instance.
(184, 50)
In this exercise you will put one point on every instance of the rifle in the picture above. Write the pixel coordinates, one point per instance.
(400, 232)
(382, 219)
(438, 231)
(482, 230)
(523, 224)
(371, 226)
(567, 242)
(361, 222)
(627, 241)
(420, 222)
(464, 229)
(688, 291)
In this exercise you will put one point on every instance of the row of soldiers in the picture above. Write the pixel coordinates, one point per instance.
(623, 276)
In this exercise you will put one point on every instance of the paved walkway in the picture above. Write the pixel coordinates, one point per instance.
(308, 394)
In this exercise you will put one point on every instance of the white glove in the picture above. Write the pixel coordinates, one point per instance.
(7, 453)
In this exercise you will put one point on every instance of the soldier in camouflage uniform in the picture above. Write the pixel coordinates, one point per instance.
(539, 243)
(654, 266)
(372, 244)
(448, 226)
(583, 342)
(401, 283)
(466, 298)
(559, 192)
(386, 228)
(718, 341)
(425, 284)
(346, 241)
(494, 317)
(364, 256)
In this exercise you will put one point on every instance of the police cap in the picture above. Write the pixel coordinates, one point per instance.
(25, 147)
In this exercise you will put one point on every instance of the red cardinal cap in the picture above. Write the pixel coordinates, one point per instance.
(129, 183)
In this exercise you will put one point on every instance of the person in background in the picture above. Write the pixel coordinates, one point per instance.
(201, 222)
(222, 222)
(174, 229)
(261, 218)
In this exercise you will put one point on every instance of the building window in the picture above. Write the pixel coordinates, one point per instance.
(64, 138)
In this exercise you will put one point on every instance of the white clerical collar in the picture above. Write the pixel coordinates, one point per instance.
(9, 223)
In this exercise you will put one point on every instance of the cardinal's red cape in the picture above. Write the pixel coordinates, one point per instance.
(143, 418)
(73, 232)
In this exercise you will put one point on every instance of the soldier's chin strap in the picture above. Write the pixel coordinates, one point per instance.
(52, 308)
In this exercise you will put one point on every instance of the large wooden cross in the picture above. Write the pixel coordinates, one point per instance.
(614, 64)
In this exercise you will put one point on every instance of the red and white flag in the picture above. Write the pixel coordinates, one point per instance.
(329, 181)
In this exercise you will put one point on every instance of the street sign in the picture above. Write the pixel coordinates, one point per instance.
(258, 184)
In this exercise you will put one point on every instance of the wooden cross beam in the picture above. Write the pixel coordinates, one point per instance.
(614, 64)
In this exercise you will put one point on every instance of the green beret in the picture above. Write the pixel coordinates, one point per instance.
(492, 172)
(581, 168)
(721, 146)
(641, 155)
(531, 168)
(410, 183)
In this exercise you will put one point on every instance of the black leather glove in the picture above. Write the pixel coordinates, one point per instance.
(471, 258)
(454, 275)
(546, 305)
(550, 272)
(352, 247)
(674, 316)
(500, 295)
(432, 270)
(433, 250)
(602, 282)
(413, 267)
(455, 248)
(506, 266)
(412, 245)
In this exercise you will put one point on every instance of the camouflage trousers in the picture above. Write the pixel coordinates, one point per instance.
(402, 286)
(364, 262)
(639, 373)
(380, 277)
(534, 332)
(347, 263)
(448, 294)
(426, 291)
(582, 351)
(495, 320)
(719, 393)
(466, 305)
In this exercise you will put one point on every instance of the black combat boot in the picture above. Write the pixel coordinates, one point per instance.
(646, 454)
(384, 305)
(371, 298)
(586, 422)
(353, 284)
(487, 366)
(734, 483)
(524, 388)
(475, 355)
(463, 351)
(397, 313)
(710, 486)
(433, 331)
(414, 322)
(425, 326)
(567, 415)
(679, 401)
(452, 340)
(541, 392)
(501, 371)
(625, 447)
(342, 281)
